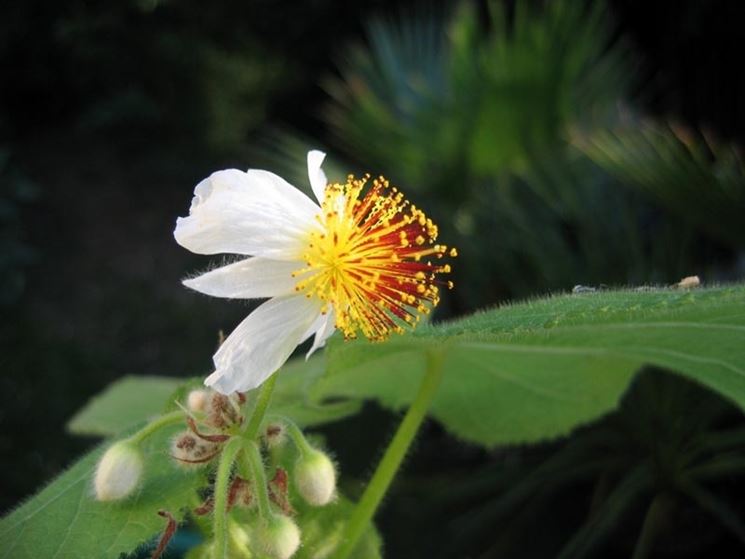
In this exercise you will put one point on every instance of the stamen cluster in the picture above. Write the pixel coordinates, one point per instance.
(374, 259)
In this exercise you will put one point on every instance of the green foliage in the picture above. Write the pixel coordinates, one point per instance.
(291, 396)
(651, 453)
(432, 97)
(321, 528)
(536, 370)
(696, 177)
(475, 116)
(132, 400)
(64, 519)
(123, 404)
(562, 222)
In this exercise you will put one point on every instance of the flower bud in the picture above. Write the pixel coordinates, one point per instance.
(197, 400)
(119, 471)
(277, 537)
(190, 450)
(315, 477)
(223, 411)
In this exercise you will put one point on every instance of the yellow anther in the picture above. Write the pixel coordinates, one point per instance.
(360, 261)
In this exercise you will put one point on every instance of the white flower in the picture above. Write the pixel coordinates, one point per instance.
(352, 261)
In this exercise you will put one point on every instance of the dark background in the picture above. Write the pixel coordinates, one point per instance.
(110, 113)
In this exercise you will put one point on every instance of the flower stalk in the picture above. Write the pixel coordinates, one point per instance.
(262, 404)
(393, 457)
(297, 437)
(251, 459)
(222, 483)
(156, 425)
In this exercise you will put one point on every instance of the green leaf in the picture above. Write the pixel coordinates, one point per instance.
(322, 529)
(134, 399)
(291, 396)
(124, 403)
(537, 369)
(64, 519)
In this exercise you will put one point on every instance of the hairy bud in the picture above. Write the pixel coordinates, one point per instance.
(315, 477)
(277, 537)
(119, 471)
(223, 411)
(190, 450)
(197, 400)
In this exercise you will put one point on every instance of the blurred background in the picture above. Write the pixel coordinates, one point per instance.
(556, 143)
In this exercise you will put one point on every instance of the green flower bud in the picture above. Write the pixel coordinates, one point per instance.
(277, 537)
(315, 477)
(119, 471)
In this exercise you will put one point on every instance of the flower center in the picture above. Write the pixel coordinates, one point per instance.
(371, 259)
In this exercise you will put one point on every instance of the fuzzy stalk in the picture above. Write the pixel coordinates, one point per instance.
(222, 486)
(393, 457)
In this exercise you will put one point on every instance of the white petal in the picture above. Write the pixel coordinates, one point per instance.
(253, 213)
(324, 332)
(248, 279)
(316, 175)
(262, 343)
(313, 328)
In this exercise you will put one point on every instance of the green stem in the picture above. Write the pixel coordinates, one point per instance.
(295, 433)
(394, 455)
(222, 481)
(262, 403)
(252, 457)
(650, 528)
(163, 421)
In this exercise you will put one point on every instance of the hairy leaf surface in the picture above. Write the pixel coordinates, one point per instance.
(535, 370)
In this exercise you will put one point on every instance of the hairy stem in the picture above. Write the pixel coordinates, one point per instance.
(156, 425)
(394, 455)
(296, 434)
(262, 403)
(251, 456)
(222, 483)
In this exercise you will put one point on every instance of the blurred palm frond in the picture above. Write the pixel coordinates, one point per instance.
(435, 96)
(690, 173)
